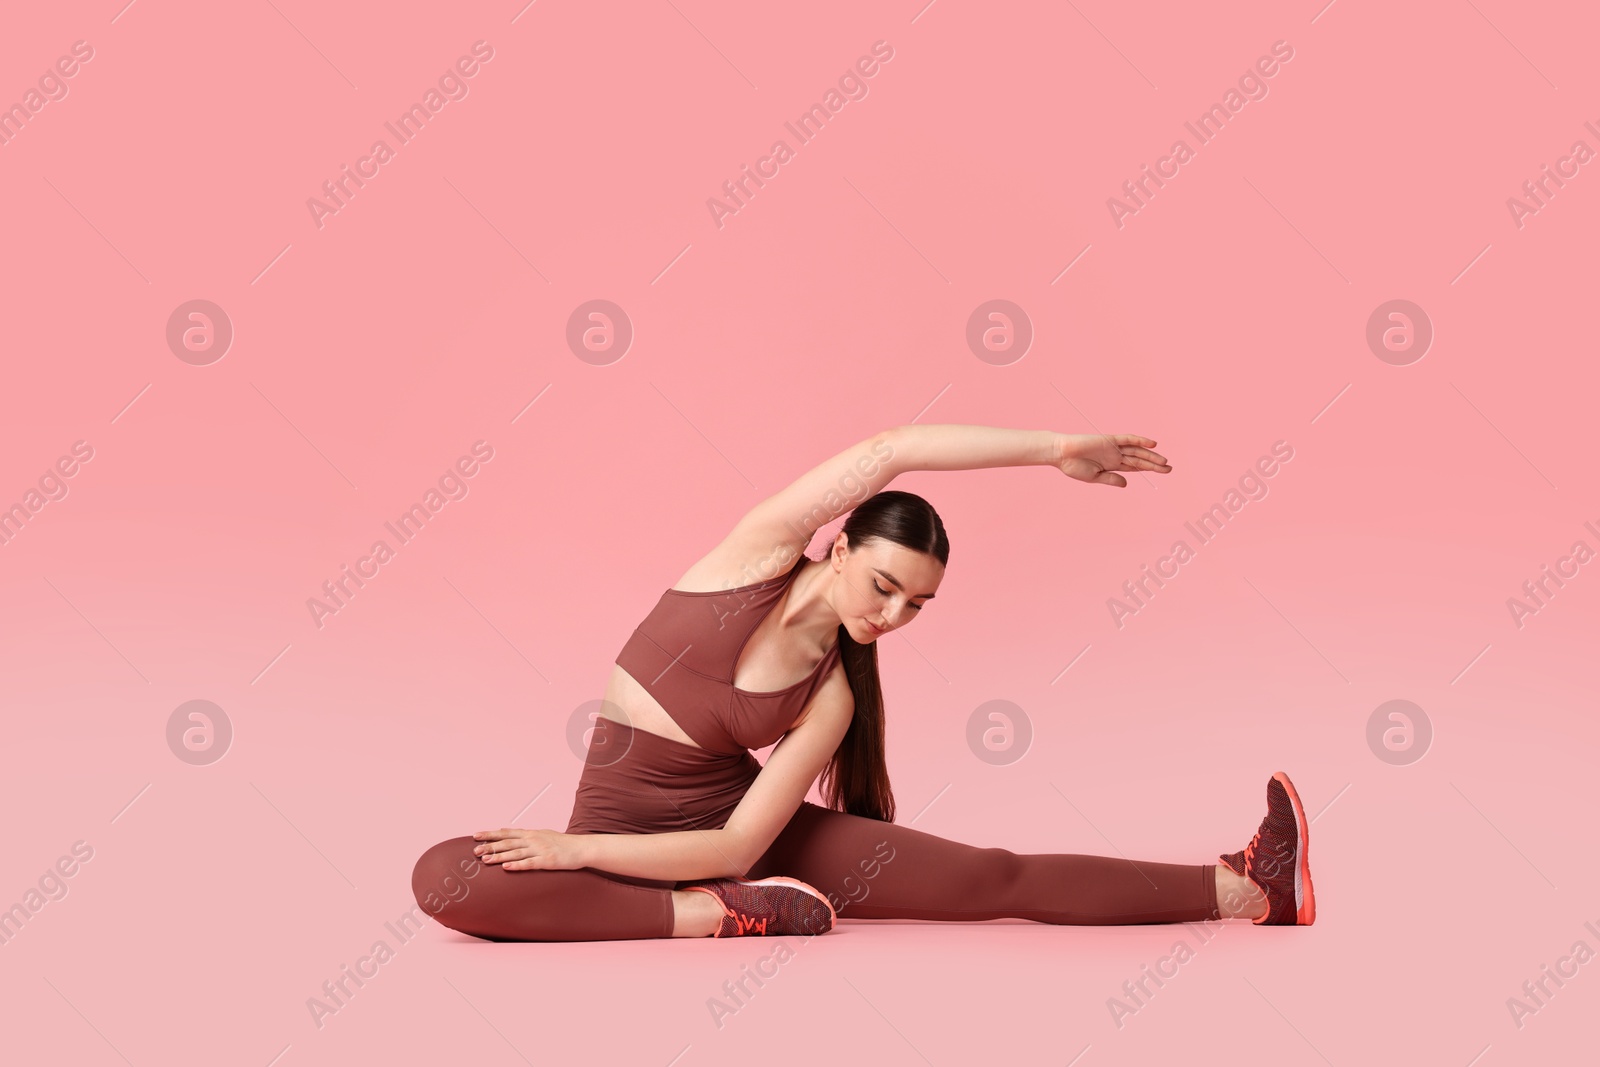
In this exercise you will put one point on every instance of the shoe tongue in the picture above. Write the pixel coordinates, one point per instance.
(1234, 860)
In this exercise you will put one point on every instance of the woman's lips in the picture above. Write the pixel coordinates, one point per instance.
(874, 629)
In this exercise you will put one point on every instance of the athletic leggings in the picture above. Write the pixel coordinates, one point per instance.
(868, 869)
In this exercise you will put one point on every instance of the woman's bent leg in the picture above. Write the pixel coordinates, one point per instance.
(876, 870)
(485, 900)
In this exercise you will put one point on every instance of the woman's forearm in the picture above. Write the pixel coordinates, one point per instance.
(679, 855)
(946, 447)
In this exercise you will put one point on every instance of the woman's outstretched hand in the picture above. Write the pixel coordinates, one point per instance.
(1097, 457)
(528, 850)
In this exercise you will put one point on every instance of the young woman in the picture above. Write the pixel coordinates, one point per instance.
(678, 831)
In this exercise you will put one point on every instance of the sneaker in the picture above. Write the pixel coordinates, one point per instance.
(1276, 861)
(767, 907)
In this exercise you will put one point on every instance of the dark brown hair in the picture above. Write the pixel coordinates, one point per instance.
(856, 780)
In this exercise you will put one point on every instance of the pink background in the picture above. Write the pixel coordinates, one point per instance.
(432, 309)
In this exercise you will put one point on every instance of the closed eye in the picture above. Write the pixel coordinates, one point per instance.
(885, 592)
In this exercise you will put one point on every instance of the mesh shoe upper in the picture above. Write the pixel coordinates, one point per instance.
(767, 907)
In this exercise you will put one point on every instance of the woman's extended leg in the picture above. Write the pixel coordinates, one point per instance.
(876, 870)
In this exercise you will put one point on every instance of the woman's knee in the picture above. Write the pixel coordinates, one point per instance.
(443, 877)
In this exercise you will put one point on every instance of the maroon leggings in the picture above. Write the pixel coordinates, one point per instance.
(867, 869)
(636, 781)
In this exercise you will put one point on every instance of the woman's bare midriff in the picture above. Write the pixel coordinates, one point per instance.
(630, 702)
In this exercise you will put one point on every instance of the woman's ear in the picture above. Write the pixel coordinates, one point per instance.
(841, 548)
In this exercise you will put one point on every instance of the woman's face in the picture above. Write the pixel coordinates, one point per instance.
(881, 586)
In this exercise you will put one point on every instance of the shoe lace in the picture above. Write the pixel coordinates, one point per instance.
(745, 923)
(1268, 862)
(1250, 849)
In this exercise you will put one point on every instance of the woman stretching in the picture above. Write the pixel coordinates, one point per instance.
(678, 831)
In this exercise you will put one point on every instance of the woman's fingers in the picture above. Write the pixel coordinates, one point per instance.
(1132, 446)
(521, 859)
(507, 855)
(1145, 454)
(506, 851)
(495, 842)
(512, 849)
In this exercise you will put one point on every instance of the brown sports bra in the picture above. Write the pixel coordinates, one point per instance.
(685, 653)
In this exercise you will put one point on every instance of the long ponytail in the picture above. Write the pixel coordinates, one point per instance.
(856, 780)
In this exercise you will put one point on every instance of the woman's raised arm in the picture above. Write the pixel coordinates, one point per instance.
(788, 518)
(781, 525)
(1086, 457)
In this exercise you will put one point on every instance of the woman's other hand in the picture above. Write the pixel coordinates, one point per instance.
(528, 850)
(1097, 457)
